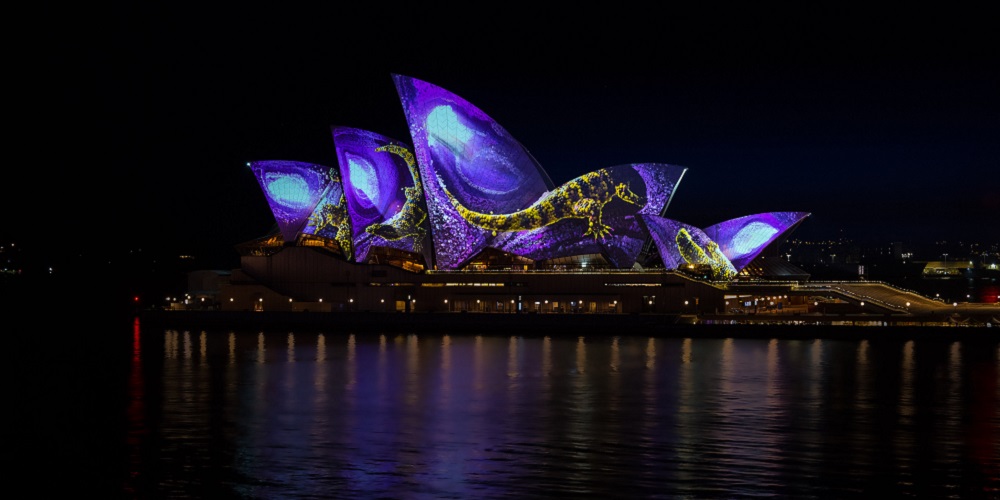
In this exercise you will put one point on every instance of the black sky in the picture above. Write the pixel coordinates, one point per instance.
(137, 124)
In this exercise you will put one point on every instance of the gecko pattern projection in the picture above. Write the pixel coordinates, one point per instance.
(467, 185)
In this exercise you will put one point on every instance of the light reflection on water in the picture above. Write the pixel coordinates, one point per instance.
(282, 414)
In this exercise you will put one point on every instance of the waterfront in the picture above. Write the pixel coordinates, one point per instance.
(145, 412)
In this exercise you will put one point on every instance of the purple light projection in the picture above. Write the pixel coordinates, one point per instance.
(383, 191)
(726, 247)
(681, 244)
(329, 219)
(460, 148)
(293, 190)
(483, 189)
(470, 186)
(561, 223)
(743, 238)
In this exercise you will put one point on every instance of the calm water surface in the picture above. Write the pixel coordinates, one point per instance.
(241, 414)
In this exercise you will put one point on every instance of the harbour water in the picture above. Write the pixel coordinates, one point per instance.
(129, 411)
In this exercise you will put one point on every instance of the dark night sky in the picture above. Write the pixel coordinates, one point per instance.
(884, 128)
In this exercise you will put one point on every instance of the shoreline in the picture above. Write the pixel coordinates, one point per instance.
(654, 325)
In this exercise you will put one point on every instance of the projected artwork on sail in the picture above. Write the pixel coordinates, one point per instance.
(467, 186)
(743, 238)
(292, 189)
(459, 147)
(383, 191)
(681, 245)
(594, 213)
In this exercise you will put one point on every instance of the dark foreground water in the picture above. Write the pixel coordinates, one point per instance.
(160, 413)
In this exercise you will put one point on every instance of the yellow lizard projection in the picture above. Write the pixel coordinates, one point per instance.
(722, 269)
(581, 198)
(334, 216)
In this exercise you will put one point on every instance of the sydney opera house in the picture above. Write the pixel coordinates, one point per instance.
(463, 218)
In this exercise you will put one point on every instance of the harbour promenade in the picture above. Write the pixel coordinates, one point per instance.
(653, 325)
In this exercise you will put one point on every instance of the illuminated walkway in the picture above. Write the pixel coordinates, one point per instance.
(893, 299)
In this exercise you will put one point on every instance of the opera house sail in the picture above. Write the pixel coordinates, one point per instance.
(467, 186)
(383, 191)
(305, 198)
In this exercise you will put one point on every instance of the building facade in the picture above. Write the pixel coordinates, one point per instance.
(466, 219)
